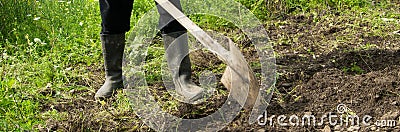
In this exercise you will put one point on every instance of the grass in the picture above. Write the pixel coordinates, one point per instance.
(50, 48)
(43, 48)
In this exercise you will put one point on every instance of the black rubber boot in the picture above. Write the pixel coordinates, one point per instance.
(176, 46)
(113, 50)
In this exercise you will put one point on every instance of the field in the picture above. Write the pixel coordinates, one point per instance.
(327, 53)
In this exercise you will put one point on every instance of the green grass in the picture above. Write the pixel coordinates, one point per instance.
(52, 45)
(45, 45)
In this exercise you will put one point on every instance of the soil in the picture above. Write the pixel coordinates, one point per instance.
(315, 76)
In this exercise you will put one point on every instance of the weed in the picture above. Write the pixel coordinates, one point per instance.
(354, 69)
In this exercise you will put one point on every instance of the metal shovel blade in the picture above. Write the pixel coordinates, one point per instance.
(239, 79)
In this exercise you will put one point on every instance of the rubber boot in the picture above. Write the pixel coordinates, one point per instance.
(113, 49)
(176, 46)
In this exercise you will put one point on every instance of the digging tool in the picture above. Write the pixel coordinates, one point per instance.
(245, 89)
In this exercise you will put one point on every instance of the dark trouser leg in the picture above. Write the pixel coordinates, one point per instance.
(168, 24)
(115, 15)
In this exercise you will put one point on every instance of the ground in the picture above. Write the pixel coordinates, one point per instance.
(324, 58)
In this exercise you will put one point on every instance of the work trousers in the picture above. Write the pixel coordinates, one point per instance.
(116, 14)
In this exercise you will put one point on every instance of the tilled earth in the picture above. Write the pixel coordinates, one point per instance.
(324, 86)
(318, 72)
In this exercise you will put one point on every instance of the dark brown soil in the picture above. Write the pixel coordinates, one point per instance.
(319, 86)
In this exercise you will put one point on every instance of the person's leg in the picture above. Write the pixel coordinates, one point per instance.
(115, 16)
(176, 47)
(168, 24)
